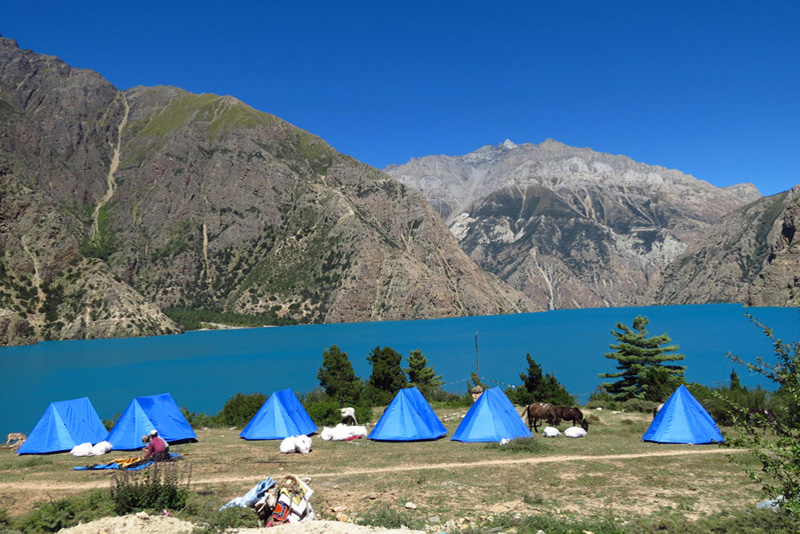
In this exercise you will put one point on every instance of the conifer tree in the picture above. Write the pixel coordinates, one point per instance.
(387, 375)
(539, 387)
(420, 374)
(337, 378)
(640, 368)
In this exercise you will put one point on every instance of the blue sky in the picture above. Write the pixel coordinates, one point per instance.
(711, 88)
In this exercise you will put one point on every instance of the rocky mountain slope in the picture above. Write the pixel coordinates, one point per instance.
(115, 205)
(751, 255)
(570, 227)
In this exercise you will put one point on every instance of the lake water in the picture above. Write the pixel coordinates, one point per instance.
(204, 369)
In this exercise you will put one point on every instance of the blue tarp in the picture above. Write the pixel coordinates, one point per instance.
(491, 418)
(408, 417)
(683, 420)
(279, 417)
(63, 425)
(143, 414)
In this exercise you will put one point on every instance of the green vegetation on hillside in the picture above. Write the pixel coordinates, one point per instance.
(195, 319)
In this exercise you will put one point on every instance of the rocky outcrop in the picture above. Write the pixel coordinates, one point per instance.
(568, 226)
(117, 205)
(751, 255)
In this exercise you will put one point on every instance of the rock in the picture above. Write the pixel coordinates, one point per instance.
(155, 197)
(570, 227)
(411, 506)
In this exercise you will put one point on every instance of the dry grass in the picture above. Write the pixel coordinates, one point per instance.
(610, 472)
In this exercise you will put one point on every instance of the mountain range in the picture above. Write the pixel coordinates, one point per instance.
(123, 211)
(574, 228)
(118, 205)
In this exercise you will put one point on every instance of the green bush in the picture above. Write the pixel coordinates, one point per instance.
(164, 485)
(326, 412)
(639, 405)
(200, 420)
(601, 398)
(240, 409)
(383, 516)
(53, 516)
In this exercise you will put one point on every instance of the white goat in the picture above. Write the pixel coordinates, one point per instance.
(349, 413)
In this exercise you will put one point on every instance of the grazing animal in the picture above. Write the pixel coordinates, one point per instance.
(15, 440)
(568, 413)
(349, 413)
(762, 417)
(541, 411)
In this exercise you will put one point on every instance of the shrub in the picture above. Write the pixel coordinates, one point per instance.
(199, 420)
(53, 516)
(601, 398)
(240, 409)
(162, 485)
(326, 412)
(639, 405)
(383, 516)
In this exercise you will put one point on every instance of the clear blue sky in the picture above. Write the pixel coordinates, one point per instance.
(711, 88)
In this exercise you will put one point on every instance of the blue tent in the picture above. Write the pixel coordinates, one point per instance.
(491, 418)
(63, 425)
(408, 417)
(683, 420)
(143, 414)
(279, 417)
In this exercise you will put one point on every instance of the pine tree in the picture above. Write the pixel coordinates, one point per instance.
(387, 375)
(538, 387)
(641, 373)
(420, 375)
(337, 378)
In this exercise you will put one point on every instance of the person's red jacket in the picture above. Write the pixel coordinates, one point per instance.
(156, 445)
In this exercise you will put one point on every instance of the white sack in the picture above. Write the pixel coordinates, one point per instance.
(575, 432)
(101, 448)
(342, 432)
(287, 445)
(302, 444)
(550, 432)
(84, 449)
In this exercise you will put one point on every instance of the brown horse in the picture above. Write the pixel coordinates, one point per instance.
(574, 415)
(541, 411)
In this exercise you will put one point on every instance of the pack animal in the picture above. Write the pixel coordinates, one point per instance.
(348, 414)
(15, 440)
(574, 415)
(763, 417)
(541, 411)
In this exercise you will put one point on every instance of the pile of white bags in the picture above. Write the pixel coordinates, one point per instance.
(86, 449)
(342, 432)
(301, 444)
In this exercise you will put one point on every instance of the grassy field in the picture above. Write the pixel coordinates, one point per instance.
(610, 474)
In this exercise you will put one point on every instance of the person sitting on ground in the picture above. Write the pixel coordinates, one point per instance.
(157, 448)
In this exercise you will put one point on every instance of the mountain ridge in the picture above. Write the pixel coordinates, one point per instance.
(200, 202)
(570, 227)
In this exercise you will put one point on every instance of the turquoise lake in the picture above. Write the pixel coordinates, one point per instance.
(204, 369)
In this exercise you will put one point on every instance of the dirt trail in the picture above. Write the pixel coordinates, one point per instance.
(41, 485)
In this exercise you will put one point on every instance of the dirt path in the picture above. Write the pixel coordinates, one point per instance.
(393, 469)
